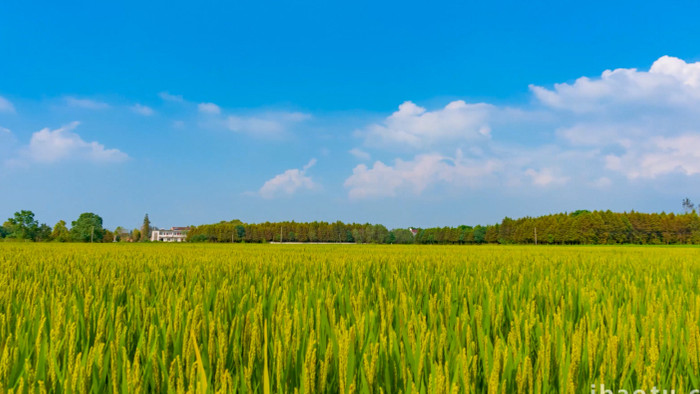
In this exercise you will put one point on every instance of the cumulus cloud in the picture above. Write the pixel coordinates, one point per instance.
(649, 117)
(289, 182)
(142, 110)
(85, 103)
(642, 124)
(659, 156)
(269, 124)
(416, 175)
(670, 82)
(6, 105)
(209, 108)
(51, 146)
(545, 177)
(360, 154)
(165, 96)
(415, 127)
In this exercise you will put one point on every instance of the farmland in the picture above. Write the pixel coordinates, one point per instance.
(336, 318)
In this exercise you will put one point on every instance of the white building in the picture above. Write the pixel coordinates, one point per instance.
(175, 234)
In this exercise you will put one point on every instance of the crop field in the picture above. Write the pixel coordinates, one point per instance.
(347, 318)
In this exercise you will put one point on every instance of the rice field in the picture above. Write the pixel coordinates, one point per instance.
(347, 318)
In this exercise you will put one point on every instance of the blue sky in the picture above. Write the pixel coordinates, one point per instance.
(398, 113)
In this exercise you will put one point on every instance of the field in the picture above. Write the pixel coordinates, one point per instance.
(347, 318)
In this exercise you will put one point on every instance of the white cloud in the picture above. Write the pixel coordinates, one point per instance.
(648, 118)
(415, 176)
(670, 82)
(165, 96)
(659, 156)
(50, 146)
(270, 124)
(602, 182)
(643, 124)
(415, 127)
(6, 105)
(209, 108)
(85, 103)
(545, 177)
(360, 154)
(5, 131)
(289, 182)
(142, 110)
(308, 165)
(600, 133)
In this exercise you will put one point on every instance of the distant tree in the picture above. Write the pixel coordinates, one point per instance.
(43, 233)
(118, 234)
(22, 225)
(357, 236)
(491, 235)
(87, 227)
(108, 237)
(380, 234)
(60, 232)
(479, 234)
(146, 229)
(197, 238)
(688, 205)
(580, 212)
(135, 235)
(402, 236)
(3, 232)
(240, 231)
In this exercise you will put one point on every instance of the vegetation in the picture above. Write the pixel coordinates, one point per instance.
(576, 228)
(366, 319)
(88, 228)
(146, 229)
(22, 226)
(60, 232)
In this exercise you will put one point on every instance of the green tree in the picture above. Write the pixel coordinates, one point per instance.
(88, 227)
(108, 237)
(402, 236)
(43, 233)
(380, 234)
(146, 229)
(60, 232)
(135, 235)
(22, 225)
(240, 231)
(118, 234)
(479, 234)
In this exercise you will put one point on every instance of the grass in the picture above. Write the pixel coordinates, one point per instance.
(334, 318)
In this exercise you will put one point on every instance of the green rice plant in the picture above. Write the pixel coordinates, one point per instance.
(202, 318)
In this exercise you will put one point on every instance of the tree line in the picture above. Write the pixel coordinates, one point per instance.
(88, 227)
(576, 228)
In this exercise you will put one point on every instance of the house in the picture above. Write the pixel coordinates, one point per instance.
(414, 231)
(175, 234)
